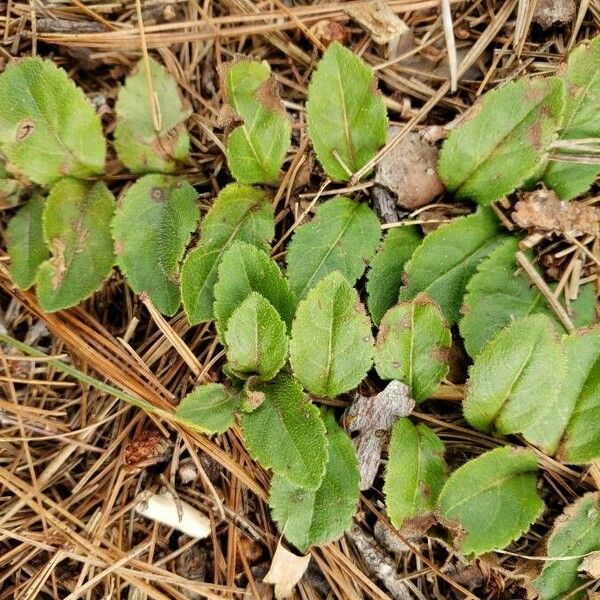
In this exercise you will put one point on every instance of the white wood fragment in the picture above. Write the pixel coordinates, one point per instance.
(175, 513)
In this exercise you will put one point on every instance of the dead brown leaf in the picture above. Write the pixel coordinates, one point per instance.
(286, 571)
(543, 212)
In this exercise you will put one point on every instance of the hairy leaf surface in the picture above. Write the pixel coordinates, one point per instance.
(286, 433)
(347, 120)
(576, 532)
(139, 145)
(152, 228)
(497, 295)
(256, 338)
(415, 473)
(77, 220)
(581, 120)
(48, 129)
(412, 346)
(315, 517)
(331, 349)
(209, 408)
(515, 382)
(239, 213)
(25, 242)
(492, 499)
(384, 278)
(245, 269)
(581, 390)
(447, 258)
(343, 236)
(255, 148)
(504, 140)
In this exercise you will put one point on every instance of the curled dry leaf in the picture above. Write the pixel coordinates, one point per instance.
(286, 571)
(542, 211)
(371, 417)
(554, 12)
(174, 512)
(410, 170)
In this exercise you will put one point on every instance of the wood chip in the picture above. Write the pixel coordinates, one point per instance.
(384, 25)
(371, 417)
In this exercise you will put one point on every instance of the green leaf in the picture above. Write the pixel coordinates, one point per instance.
(256, 339)
(576, 532)
(343, 236)
(25, 242)
(581, 390)
(316, 517)
(208, 408)
(286, 433)
(256, 148)
(331, 349)
(497, 295)
(491, 500)
(11, 189)
(152, 227)
(581, 120)
(346, 117)
(239, 213)
(139, 145)
(384, 278)
(504, 140)
(260, 274)
(77, 220)
(412, 346)
(48, 129)
(415, 473)
(515, 382)
(443, 264)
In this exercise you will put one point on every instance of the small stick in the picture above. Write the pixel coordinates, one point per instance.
(536, 278)
(575, 280)
(450, 44)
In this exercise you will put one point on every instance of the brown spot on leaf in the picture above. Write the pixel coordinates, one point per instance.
(58, 248)
(534, 135)
(535, 93)
(164, 146)
(25, 128)
(118, 247)
(267, 94)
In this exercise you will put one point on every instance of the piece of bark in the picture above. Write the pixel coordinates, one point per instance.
(590, 565)
(541, 211)
(384, 203)
(379, 563)
(148, 448)
(327, 31)
(409, 171)
(371, 418)
(554, 12)
(54, 25)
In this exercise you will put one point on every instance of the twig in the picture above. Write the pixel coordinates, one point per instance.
(537, 280)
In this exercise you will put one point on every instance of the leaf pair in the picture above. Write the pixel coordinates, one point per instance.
(507, 140)
(485, 504)
(239, 213)
(528, 381)
(63, 244)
